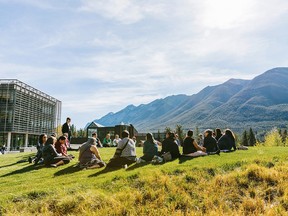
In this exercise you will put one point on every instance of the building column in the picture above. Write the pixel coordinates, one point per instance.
(26, 140)
(8, 141)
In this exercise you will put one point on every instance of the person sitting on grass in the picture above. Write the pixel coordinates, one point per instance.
(170, 145)
(61, 147)
(98, 142)
(107, 142)
(38, 157)
(89, 156)
(125, 153)
(200, 139)
(227, 142)
(210, 143)
(150, 148)
(191, 148)
(116, 140)
(50, 155)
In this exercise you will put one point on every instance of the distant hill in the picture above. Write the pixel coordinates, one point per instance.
(260, 103)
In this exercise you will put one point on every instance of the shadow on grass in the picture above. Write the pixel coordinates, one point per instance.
(105, 170)
(23, 160)
(8, 165)
(112, 169)
(183, 159)
(135, 166)
(68, 170)
(24, 170)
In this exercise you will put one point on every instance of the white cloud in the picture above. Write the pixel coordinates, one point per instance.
(100, 56)
(122, 10)
(125, 11)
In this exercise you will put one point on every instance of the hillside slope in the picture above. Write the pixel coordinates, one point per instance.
(260, 103)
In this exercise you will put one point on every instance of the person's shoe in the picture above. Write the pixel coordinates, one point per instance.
(30, 160)
(218, 152)
(53, 165)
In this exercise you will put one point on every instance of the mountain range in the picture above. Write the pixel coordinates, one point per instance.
(260, 103)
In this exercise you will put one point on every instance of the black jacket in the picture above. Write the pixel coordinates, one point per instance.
(169, 145)
(210, 144)
(226, 143)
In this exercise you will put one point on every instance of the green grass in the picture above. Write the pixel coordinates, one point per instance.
(240, 183)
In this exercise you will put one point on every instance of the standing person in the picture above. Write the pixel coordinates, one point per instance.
(125, 153)
(38, 157)
(66, 128)
(107, 142)
(116, 140)
(191, 148)
(89, 156)
(170, 145)
(227, 141)
(50, 155)
(150, 148)
(210, 143)
(98, 142)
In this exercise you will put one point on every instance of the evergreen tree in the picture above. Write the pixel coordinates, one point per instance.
(168, 129)
(158, 135)
(280, 132)
(73, 130)
(196, 131)
(284, 135)
(81, 133)
(252, 139)
(244, 139)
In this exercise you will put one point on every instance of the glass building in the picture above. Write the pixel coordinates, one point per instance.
(25, 113)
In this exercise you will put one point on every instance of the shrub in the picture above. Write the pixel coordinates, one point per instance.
(273, 138)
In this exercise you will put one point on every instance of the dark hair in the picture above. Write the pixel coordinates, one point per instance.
(209, 131)
(218, 131)
(125, 133)
(62, 138)
(68, 118)
(40, 140)
(190, 133)
(229, 133)
(50, 140)
(94, 134)
(172, 135)
(53, 135)
(150, 137)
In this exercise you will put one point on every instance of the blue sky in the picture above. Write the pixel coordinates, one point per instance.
(98, 56)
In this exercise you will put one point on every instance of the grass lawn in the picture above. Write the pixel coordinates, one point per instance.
(252, 182)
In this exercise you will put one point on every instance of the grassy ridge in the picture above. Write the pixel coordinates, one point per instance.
(240, 183)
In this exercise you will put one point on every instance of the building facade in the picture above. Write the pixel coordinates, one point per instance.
(25, 113)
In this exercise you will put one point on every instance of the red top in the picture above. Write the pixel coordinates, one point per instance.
(61, 148)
